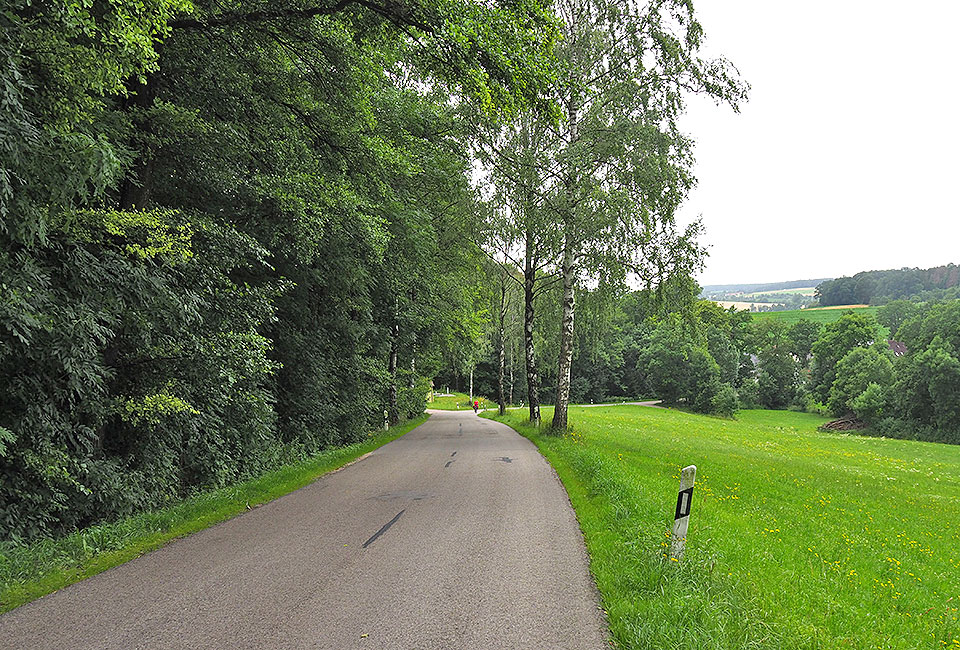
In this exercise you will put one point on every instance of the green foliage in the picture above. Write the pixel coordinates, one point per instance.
(725, 402)
(211, 245)
(871, 404)
(748, 393)
(778, 377)
(855, 372)
(153, 409)
(852, 330)
(678, 369)
(802, 335)
(893, 314)
(879, 287)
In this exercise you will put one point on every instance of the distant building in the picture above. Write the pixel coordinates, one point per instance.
(898, 348)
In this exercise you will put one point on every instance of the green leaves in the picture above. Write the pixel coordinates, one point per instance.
(7, 437)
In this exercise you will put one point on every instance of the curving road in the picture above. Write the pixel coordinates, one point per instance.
(457, 535)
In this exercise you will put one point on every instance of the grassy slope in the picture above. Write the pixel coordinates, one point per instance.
(798, 539)
(29, 572)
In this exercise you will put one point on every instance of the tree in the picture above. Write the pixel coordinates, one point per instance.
(518, 233)
(678, 366)
(895, 313)
(622, 166)
(802, 335)
(852, 330)
(216, 255)
(855, 372)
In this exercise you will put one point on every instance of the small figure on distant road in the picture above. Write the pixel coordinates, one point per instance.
(476, 406)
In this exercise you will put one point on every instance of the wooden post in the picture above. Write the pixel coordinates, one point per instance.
(681, 518)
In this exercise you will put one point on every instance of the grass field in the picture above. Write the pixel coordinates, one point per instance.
(817, 315)
(29, 572)
(457, 402)
(798, 539)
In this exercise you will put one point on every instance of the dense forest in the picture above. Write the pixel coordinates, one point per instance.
(880, 287)
(236, 234)
(232, 235)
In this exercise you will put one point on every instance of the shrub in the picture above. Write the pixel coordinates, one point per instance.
(749, 393)
(725, 401)
(870, 405)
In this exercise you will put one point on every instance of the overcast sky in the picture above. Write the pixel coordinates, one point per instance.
(846, 156)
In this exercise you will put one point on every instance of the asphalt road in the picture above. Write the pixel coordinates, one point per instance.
(457, 535)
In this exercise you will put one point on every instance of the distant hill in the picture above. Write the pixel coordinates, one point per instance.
(711, 289)
(879, 287)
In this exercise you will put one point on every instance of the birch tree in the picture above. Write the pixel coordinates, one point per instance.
(622, 164)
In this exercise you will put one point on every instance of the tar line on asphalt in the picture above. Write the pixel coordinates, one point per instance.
(383, 529)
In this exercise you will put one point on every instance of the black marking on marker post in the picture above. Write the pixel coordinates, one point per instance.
(684, 499)
(384, 529)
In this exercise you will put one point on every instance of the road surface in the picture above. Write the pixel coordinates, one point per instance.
(457, 535)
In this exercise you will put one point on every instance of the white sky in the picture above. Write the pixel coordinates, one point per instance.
(845, 157)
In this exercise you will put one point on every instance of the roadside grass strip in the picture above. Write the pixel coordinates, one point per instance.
(28, 572)
(798, 539)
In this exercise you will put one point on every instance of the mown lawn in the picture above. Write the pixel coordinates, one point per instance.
(798, 539)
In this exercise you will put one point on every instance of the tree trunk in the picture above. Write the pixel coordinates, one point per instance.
(568, 303)
(394, 407)
(510, 398)
(501, 344)
(566, 341)
(413, 367)
(471, 386)
(533, 382)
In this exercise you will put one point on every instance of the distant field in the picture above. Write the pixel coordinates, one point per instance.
(740, 305)
(819, 315)
(798, 539)
(803, 291)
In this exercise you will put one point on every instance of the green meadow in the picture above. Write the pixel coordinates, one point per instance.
(798, 539)
(817, 315)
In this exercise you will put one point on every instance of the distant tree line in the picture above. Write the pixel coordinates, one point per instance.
(695, 355)
(714, 290)
(880, 287)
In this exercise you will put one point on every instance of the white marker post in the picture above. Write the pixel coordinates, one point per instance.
(386, 421)
(681, 518)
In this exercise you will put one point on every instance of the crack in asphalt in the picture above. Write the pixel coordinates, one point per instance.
(383, 529)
